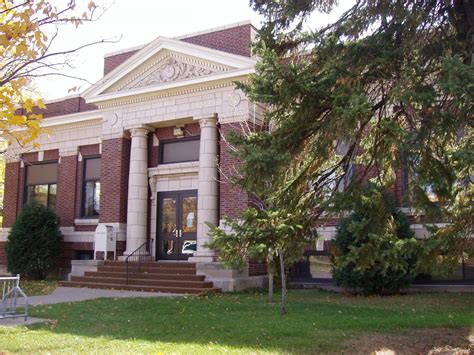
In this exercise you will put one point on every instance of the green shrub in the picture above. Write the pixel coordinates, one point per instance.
(34, 243)
(375, 250)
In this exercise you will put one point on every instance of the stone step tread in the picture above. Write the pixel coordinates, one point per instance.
(183, 271)
(182, 290)
(155, 264)
(147, 275)
(142, 282)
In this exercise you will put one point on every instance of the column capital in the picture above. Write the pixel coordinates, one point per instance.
(142, 131)
(208, 121)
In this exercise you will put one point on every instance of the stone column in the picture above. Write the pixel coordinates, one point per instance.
(137, 189)
(208, 188)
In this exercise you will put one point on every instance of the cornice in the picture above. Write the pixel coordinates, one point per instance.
(75, 125)
(71, 118)
(164, 170)
(123, 100)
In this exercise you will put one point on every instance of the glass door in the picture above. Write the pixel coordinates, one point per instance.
(177, 225)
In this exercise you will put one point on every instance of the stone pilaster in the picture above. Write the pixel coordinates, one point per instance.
(137, 189)
(208, 195)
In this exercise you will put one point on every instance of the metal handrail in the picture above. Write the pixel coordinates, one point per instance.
(138, 257)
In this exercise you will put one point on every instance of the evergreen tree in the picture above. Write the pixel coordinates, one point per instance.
(34, 243)
(389, 85)
(375, 251)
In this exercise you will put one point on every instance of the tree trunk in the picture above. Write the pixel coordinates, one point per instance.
(270, 278)
(270, 287)
(284, 309)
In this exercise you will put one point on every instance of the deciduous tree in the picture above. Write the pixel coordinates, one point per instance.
(28, 30)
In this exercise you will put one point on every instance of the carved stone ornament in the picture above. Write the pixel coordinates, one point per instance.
(234, 99)
(172, 70)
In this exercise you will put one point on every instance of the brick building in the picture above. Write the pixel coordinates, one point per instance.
(139, 151)
(139, 154)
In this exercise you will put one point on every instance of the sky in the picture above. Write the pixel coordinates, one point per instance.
(135, 22)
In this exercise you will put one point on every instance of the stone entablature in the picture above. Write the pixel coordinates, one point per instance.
(66, 137)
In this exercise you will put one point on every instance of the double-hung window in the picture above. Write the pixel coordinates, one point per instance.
(41, 183)
(91, 188)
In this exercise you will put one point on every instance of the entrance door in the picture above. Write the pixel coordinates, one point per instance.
(177, 225)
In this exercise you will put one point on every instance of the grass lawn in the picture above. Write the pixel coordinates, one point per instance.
(37, 288)
(244, 323)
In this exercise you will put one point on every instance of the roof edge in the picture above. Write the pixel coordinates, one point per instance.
(188, 35)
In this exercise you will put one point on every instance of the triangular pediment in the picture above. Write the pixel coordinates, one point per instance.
(166, 62)
(167, 67)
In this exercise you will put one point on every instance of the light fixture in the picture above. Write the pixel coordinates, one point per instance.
(178, 131)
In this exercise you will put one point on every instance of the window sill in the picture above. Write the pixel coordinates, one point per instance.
(86, 221)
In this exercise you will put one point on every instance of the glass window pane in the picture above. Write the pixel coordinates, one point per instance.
(180, 151)
(91, 198)
(52, 196)
(97, 198)
(168, 215)
(189, 215)
(92, 167)
(38, 193)
(40, 174)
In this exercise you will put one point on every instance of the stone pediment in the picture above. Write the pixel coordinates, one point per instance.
(164, 64)
(167, 67)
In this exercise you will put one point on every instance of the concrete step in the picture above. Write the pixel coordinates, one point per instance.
(182, 290)
(146, 275)
(155, 264)
(149, 269)
(142, 282)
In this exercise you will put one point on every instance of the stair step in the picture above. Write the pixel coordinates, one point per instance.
(155, 264)
(148, 269)
(142, 282)
(185, 290)
(146, 275)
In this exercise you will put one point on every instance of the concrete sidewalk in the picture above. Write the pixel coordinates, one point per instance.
(11, 322)
(75, 294)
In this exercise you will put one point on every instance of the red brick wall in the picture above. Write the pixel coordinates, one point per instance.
(66, 194)
(69, 249)
(113, 61)
(257, 267)
(30, 157)
(63, 107)
(52, 154)
(89, 150)
(235, 40)
(12, 187)
(115, 164)
(3, 256)
(232, 200)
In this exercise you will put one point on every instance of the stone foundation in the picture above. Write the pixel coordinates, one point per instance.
(230, 280)
(79, 267)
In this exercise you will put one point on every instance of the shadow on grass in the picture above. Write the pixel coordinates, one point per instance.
(318, 321)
